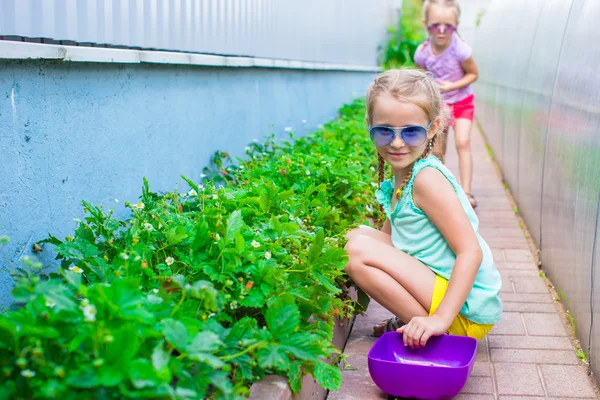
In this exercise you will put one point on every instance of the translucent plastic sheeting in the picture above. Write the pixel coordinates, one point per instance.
(537, 99)
(538, 102)
(571, 181)
(339, 31)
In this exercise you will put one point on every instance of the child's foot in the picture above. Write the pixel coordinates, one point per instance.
(387, 325)
(472, 200)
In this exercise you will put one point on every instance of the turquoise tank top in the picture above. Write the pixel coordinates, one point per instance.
(417, 236)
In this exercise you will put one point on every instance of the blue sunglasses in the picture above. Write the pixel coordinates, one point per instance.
(413, 136)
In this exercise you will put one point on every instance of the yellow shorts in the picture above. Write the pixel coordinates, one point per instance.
(460, 326)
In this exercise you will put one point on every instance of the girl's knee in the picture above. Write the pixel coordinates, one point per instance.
(356, 247)
(463, 144)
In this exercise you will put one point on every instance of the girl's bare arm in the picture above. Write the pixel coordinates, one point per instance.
(434, 194)
(471, 75)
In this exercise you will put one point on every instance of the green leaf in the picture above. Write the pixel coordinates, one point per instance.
(160, 362)
(240, 330)
(205, 341)
(109, 376)
(160, 358)
(213, 361)
(327, 283)
(191, 183)
(328, 376)
(332, 255)
(265, 201)
(283, 316)
(295, 376)
(317, 245)
(240, 243)
(175, 333)
(76, 342)
(220, 379)
(274, 357)
(124, 347)
(142, 374)
(176, 235)
(185, 393)
(72, 277)
(84, 378)
(363, 298)
(303, 345)
(234, 225)
(202, 235)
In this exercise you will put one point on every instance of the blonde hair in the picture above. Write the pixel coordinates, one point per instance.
(411, 86)
(454, 4)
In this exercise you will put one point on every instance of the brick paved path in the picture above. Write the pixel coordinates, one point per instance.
(527, 355)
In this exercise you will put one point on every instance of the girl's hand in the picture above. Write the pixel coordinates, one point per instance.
(418, 331)
(446, 86)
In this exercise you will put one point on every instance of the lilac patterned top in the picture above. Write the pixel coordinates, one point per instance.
(446, 66)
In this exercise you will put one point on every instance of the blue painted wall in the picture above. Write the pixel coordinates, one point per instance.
(73, 131)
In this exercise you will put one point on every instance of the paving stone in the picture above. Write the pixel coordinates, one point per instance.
(527, 297)
(357, 386)
(518, 255)
(376, 313)
(498, 255)
(518, 379)
(520, 266)
(479, 385)
(544, 324)
(467, 396)
(529, 342)
(519, 272)
(502, 232)
(534, 356)
(507, 243)
(507, 286)
(481, 368)
(529, 307)
(565, 380)
(511, 324)
(482, 351)
(530, 285)
(520, 398)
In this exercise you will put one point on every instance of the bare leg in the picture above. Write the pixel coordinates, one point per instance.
(397, 281)
(371, 232)
(462, 132)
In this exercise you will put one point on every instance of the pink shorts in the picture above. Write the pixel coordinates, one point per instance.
(462, 109)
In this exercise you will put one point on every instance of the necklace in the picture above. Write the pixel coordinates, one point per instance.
(398, 193)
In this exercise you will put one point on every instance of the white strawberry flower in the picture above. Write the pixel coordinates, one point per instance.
(255, 244)
(169, 260)
(27, 373)
(89, 313)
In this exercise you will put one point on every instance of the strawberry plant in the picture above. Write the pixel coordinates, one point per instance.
(200, 294)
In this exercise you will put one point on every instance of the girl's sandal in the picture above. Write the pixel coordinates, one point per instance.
(387, 325)
(472, 200)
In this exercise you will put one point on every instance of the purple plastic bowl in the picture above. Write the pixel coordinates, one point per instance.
(437, 371)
